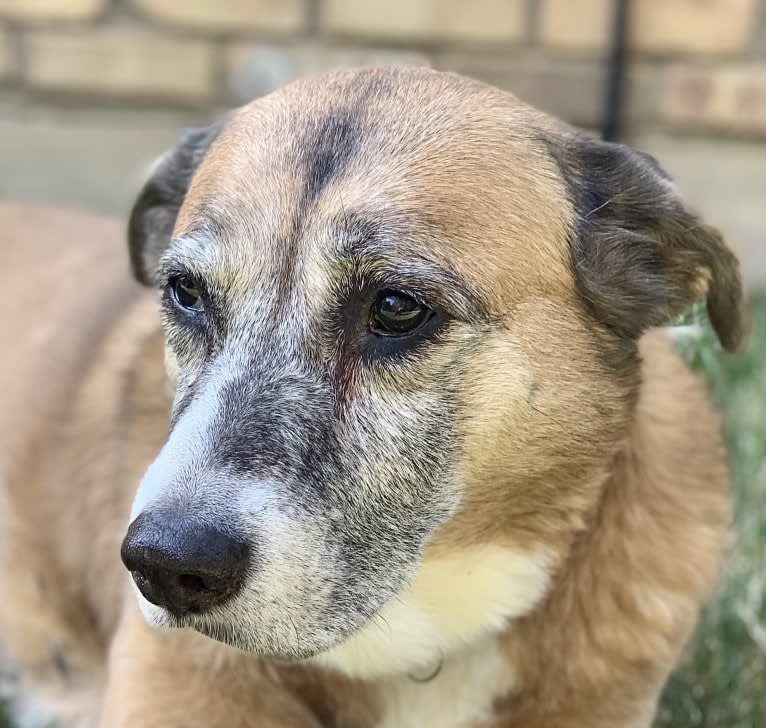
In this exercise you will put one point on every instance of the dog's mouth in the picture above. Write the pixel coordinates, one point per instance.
(289, 647)
(245, 639)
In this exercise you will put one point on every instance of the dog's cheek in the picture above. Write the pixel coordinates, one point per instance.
(399, 469)
(540, 414)
(499, 404)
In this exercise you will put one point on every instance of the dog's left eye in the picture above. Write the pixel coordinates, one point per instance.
(187, 293)
(396, 314)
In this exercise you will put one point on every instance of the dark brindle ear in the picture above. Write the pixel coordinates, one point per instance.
(154, 213)
(639, 254)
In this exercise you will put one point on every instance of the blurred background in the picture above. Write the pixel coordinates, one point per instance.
(92, 91)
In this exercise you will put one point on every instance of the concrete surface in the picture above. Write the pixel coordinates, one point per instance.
(96, 160)
(89, 159)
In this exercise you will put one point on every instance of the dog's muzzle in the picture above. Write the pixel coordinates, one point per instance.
(183, 566)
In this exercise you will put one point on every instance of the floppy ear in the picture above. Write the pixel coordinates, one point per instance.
(640, 255)
(154, 213)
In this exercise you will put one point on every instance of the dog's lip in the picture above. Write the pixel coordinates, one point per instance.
(220, 631)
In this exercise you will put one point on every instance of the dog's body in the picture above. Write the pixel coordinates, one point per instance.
(508, 516)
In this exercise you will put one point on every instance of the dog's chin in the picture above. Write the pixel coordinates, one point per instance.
(243, 638)
(370, 651)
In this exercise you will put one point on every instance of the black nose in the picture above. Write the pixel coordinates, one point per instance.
(181, 565)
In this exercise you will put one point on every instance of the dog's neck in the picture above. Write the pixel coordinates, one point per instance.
(462, 693)
(452, 603)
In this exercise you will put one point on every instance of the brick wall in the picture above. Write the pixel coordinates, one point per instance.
(694, 64)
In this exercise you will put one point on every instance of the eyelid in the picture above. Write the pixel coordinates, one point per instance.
(408, 292)
(181, 257)
(428, 283)
(171, 273)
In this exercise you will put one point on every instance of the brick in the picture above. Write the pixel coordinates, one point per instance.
(6, 54)
(729, 98)
(229, 15)
(43, 10)
(723, 178)
(759, 46)
(581, 26)
(656, 26)
(257, 70)
(499, 21)
(119, 62)
(694, 26)
(572, 90)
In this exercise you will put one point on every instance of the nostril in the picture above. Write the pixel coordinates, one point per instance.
(192, 583)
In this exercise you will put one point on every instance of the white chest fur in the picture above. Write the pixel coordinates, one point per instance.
(452, 611)
(460, 696)
(452, 605)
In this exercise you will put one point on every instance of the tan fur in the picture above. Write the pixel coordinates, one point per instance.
(628, 539)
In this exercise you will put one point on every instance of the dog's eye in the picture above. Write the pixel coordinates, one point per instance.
(397, 314)
(186, 293)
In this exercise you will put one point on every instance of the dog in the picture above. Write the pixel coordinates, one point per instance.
(391, 434)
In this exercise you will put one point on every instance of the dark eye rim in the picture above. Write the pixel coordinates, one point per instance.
(428, 317)
(193, 283)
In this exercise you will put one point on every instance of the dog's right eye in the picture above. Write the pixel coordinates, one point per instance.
(186, 293)
(396, 314)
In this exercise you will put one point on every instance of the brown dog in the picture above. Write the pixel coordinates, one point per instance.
(426, 466)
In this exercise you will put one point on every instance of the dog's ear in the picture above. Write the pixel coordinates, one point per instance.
(154, 213)
(640, 255)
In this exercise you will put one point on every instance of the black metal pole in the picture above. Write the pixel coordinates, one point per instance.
(615, 73)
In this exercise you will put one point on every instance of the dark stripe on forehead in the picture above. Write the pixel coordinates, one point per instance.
(325, 149)
(334, 138)
(330, 144)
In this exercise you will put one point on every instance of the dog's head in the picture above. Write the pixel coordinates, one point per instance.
(401, 312)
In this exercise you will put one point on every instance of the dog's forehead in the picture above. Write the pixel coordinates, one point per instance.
(445, 168)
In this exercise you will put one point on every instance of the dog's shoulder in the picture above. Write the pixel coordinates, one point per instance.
(676, 416)
(665, 514)
(629, 596)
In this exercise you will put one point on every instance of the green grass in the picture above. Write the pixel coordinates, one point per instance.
(721, 682)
